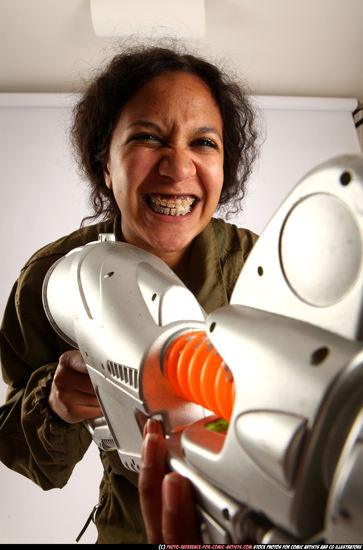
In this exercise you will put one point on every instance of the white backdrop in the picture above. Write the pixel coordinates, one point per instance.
(43, 198)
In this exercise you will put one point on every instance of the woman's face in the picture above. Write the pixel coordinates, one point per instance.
(165, 163)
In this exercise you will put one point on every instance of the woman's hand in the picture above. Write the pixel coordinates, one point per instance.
(166, 498)
(72, 396)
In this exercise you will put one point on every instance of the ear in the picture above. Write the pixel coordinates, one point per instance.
(107, 176)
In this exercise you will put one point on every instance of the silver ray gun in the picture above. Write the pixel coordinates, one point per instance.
(287, 353)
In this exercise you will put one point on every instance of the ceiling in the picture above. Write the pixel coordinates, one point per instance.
(280, 47)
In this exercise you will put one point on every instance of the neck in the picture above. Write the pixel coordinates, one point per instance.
(177, 261)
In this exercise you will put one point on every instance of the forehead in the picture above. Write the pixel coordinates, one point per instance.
(173, 92)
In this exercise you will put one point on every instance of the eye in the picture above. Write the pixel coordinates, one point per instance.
(145, 137)
(204, 143)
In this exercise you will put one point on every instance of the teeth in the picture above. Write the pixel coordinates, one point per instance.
(171, 207)
(156, 199)
(180, 211)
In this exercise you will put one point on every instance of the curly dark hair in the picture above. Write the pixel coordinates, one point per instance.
(96, 115)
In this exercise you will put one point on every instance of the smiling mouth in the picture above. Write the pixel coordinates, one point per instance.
(171, 205)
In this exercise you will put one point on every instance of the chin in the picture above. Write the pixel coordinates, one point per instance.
(170, 245)
(171, 241)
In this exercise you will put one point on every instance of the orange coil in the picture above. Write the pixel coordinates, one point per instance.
(198, 373)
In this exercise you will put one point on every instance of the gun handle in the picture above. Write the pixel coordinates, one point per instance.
(100, 433)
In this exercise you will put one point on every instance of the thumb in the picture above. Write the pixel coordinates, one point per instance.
(73, 359)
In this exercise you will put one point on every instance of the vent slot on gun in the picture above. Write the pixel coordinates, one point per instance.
(127, 375)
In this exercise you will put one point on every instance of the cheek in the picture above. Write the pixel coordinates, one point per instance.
(131, 180)
(214, 178)
(137, 167)
(124, 178)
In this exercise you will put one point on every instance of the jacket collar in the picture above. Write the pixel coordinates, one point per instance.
(204, 273)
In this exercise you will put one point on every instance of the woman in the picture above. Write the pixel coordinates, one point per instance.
(164, 139)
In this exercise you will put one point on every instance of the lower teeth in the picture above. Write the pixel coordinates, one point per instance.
(178, 211)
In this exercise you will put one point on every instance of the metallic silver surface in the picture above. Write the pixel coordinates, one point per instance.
(344, 510)
(117, 304)
(307, 264)
(290, 466)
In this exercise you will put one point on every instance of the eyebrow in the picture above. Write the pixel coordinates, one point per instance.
(208, 130)
(146, 123)
(157, 128)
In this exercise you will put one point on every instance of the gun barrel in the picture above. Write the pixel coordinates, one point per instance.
(198, 373)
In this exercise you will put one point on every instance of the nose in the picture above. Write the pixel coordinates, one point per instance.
(177, 164)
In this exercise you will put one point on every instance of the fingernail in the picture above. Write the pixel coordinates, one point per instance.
(152, 426)
(172, 493)
(146, 428)
(149, 449)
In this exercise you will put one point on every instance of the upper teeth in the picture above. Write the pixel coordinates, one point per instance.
(170, 206)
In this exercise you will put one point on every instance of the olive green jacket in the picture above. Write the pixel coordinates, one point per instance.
(36, 442)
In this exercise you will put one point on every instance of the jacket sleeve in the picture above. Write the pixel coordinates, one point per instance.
(34, 441)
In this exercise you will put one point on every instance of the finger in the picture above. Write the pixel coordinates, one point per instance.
(79, 413)
(179, 521)
(76, 398)
(72, 412)
(152, 471)
(73, 406)
(153, 426)
(68, 381)
(73, 359)
(72, 395)
(73, 388)
(67, 377)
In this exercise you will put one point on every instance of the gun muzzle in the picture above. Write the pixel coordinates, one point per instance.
(198, 373)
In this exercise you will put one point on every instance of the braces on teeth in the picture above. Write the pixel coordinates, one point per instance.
(171, 207)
